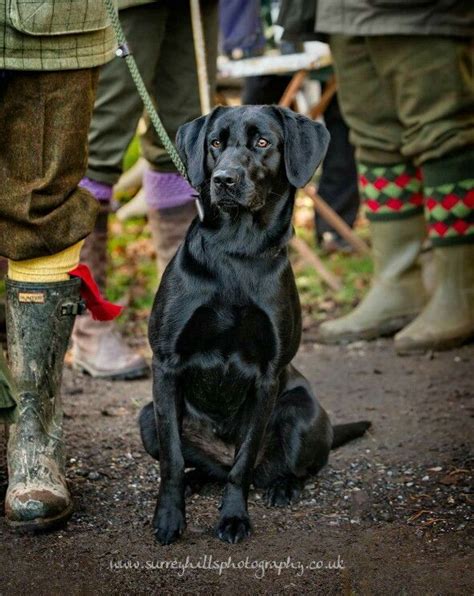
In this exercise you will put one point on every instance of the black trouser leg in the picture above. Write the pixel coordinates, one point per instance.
(338, 184)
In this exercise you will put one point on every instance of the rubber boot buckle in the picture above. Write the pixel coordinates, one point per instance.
(71, 309)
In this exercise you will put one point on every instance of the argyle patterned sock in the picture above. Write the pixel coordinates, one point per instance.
(450, 213)
(449, 199)
(390, 192)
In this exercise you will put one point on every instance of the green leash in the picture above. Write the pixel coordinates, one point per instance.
(123, 51)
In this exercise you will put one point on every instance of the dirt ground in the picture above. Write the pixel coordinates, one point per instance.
(388, 515)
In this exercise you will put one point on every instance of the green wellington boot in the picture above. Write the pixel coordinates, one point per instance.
(448, 319)
(39, 324)
(397, 293)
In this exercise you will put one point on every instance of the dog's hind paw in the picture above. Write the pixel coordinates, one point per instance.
(194, 480)
(169, 524)
(283, 491)
(233, 528)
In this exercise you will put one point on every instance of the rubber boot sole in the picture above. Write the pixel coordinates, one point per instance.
(46, 524)
(384, 329)
(438, 346)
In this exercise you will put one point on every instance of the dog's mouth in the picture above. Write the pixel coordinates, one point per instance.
(230, 203)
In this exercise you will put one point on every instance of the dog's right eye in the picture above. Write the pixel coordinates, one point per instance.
(216, 143)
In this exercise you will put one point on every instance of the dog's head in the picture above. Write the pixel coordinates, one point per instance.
(241, 152)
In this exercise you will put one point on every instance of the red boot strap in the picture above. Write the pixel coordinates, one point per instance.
(100, 308)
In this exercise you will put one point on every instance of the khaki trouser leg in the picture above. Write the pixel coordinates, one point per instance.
(421, 93)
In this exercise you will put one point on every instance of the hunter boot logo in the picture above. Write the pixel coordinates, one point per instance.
(32, 297)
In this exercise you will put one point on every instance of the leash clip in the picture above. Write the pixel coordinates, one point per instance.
(200, 208)
(123, 50)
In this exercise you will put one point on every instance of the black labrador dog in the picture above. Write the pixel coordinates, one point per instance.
(226, 324)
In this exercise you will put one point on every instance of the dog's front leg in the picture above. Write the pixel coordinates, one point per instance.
(234, 522)
(170, 519)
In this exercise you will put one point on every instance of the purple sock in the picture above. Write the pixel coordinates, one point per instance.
(166, 190)
(99, 190)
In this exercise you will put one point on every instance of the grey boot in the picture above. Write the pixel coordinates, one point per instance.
(397, 293)
(98, 347)
(448, 319)
(39, 324)
(168, 229)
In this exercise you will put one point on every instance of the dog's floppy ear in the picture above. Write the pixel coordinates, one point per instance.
(191, 145)
(305, 145)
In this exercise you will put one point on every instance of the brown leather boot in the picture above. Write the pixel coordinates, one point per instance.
(98, 348)
(168, 229)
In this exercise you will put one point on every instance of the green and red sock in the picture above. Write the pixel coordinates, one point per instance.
(391, 191)
(450, 213)
(449, 199)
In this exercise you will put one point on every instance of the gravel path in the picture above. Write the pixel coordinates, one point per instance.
(388, 515)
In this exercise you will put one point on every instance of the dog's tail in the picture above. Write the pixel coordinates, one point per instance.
(343, 433)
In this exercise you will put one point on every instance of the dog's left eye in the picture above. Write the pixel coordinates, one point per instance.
(262, 143)
(216, 143)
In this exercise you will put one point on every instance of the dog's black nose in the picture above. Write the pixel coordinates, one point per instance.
(228, 177)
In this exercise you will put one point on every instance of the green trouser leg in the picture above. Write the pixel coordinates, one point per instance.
(39, 324)
(448, 319)
(161, 39)
(398, 229)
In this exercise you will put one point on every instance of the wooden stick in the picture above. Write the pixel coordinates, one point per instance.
(292, 89)
(312, 259)
(200, 52)
(335, 221)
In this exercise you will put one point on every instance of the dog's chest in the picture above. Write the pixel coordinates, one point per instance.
(217, 332)
(223, 350)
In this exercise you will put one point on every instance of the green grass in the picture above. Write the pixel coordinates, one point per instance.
(132, 276)
(317, 299)
(132, 154)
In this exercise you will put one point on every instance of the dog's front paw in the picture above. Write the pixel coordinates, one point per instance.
(169, 523)
(282, 492)
(234, 528)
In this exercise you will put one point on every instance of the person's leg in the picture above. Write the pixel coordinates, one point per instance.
(98, 348)
(43, 218)
(118, 107)
(241, 28)
(391, 189)
(169, 197)
(338, 183)
(438, 135)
